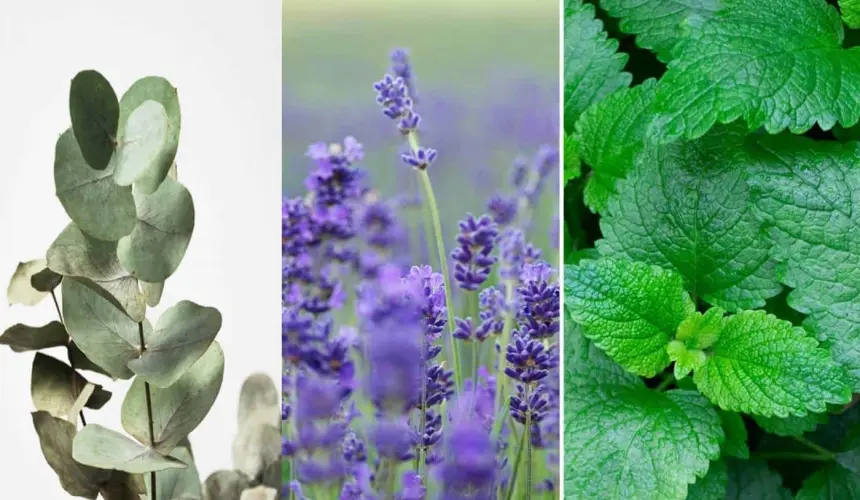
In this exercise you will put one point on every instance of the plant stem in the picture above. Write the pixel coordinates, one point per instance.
(516, 468)
(666, 382)
(501, 379)
(817, 447)
(443, 266)
(527, 432)
(60, 315)
(148, 395)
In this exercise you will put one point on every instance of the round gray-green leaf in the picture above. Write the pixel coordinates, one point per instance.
(21, 289)
(55, 387)
(179, 484)
(99, 327)
(74, 253)
(145, 136)
(152, 292)
(153, 251)
(55, 437)
(94, 109)
(153, 88)
(182, 334)
(176, 410)
(90, 197)
(22, 338)
(101, 447)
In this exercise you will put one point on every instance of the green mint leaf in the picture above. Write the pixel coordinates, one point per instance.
(686, 207)
(765, 366)
(700, 331)
(752, 480)
(778, 65)
(735, 444)
(572, 167)
(629, 309)
(713, 486)
(611, 133)
(657, 24)
(806, 192)
(637, 444)
(592, 65)
(586, 365)
(792, 425)
(830, 482)
(850, 12)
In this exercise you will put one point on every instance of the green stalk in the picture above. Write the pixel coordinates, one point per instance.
(822, 451)
(527, 432)
(666, 382)
(474, 303)
(148, 396)
(501, 379)
(809, 457)
(516, 468)
(430, 198)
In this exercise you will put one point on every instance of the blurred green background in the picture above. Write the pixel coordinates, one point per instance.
(487, 78)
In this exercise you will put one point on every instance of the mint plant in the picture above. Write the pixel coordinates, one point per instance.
(712, 297)
(131, 223)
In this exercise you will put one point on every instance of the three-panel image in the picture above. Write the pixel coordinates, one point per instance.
(441, 250)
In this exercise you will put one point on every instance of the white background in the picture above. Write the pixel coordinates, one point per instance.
(225, 60)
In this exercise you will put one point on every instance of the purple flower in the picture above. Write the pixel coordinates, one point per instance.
(401, 68)
(319, 433)
(473, 259)
(503, 209)
(528, 360)
(492, 307)
(515, 253)
(413, 489)
(432, 299)
(420, 158)
(471, 465)
(394, 439)
(392, 94)
(539, 301)
(535, 404)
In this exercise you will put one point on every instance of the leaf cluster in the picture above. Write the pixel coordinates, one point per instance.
(712, 291)
(131, 223)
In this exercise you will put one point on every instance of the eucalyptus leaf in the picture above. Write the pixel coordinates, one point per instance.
(179, 484)
(56, 437)
(225, 484)
(153, 251)
(20, 289)
(176, 410)
(124, 486)
(99, 327)
(56, 386)
(73, 253)
(144, 138)
(94, 109)
(22, 338)
(153, 88)
(101, 447)
(45, 280)
(182, 334)
(80, 361)
(152, 292)
(98, 206)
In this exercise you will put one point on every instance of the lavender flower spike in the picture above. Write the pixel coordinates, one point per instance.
(473, 259)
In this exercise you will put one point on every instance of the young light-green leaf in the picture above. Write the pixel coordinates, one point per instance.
(94, 110)
(156, 89)
(633, 443)
(850, 12)
(101, 447)
(98, 206)
(776, 64)
(182, 334)
(657, 24)
(765, 366)
(176, 410)
(592, 65)
(629, 309)
(153, 251)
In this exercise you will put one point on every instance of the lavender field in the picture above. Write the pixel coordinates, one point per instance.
(405, 376)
